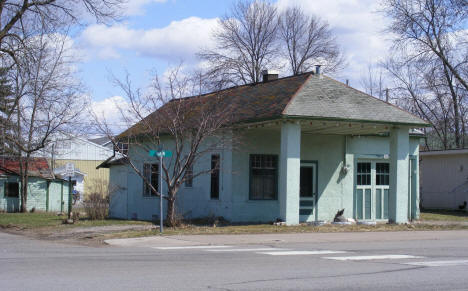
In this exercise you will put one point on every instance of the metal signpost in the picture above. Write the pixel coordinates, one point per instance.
(160, 153)
(69, 171)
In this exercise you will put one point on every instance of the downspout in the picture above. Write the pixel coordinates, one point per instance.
(47, 196)
(345, 167)
(61, 196)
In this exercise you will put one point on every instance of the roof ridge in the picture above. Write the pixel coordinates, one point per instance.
(244, 85)
(295, 94)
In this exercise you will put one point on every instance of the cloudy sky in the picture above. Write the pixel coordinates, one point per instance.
(156, 34)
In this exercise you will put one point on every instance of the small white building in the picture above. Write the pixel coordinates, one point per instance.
(444, 179)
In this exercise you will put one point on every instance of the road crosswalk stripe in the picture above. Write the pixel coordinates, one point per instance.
(439, 263)
(191, 247)
(375, 257)
(292, 253)
(247, 250)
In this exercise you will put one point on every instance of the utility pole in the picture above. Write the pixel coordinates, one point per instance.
(161, 219)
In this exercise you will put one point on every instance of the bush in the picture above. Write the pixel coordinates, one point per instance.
(96, 206)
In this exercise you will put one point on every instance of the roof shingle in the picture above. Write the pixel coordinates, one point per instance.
(305, 96)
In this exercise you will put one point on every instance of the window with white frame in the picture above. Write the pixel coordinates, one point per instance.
(151, 173)
(122, 147)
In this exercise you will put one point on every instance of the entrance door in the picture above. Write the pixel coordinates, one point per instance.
(307, 191)
(372, 186)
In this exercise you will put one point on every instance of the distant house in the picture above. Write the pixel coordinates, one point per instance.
(45, 191)
(312, 146)
(86, 156)
(444, 179)
(102, 141)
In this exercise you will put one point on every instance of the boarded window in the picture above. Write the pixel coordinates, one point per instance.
(151, 173)
(263, 177)
(364, 173)
(12, 189)
(215, 165)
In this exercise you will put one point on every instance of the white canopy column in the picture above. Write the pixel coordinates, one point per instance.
(399, 175)
(289, 174)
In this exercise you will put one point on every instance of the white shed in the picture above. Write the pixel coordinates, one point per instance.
(444, 179)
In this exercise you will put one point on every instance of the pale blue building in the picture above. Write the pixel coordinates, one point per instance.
(312, 146)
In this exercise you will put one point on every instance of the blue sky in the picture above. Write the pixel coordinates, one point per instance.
(156, 34)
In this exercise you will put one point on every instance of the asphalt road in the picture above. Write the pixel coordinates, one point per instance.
(363, 263)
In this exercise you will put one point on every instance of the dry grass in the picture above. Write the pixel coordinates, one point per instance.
(38, 220)
(444, 215)
(268, 228)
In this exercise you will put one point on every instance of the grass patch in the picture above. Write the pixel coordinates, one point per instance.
(43, 219)
(268, 228)
(444, 215)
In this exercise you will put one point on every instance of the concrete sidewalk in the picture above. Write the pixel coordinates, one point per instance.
(249, 239)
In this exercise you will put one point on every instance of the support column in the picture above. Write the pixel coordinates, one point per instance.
(290, 163)
(399, 175)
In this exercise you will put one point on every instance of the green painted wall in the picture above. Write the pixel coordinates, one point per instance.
(335, 188)
(37, 195)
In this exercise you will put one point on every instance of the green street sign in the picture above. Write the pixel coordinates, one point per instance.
(164, 154)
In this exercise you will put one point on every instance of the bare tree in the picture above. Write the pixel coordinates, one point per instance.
(308, 41)
(434, 31)
(23, 19)
(373, 82)
(245, 42)
(48, 98)
(192, 127)
(417, 87)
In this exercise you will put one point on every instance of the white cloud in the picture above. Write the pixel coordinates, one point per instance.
(179, 40)
(356, 23)
(108, 111)
(358, 27)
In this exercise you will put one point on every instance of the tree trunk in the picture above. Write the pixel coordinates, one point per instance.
(171, 217)
(24, 192)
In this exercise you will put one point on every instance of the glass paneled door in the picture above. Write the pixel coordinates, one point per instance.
(372, 186)
(307, 191)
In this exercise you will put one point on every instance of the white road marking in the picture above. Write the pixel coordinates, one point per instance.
(247, 250)
(295, 253)
(440, 263)
(377, 257)
(190, 247)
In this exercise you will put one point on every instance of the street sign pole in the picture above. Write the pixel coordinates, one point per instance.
(161, 154)
(160, 195)
(69, 197)
(70, 171)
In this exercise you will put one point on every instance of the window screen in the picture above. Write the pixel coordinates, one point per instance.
(263, 177)
(189, 176)
(215, 160)
(151, 173)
